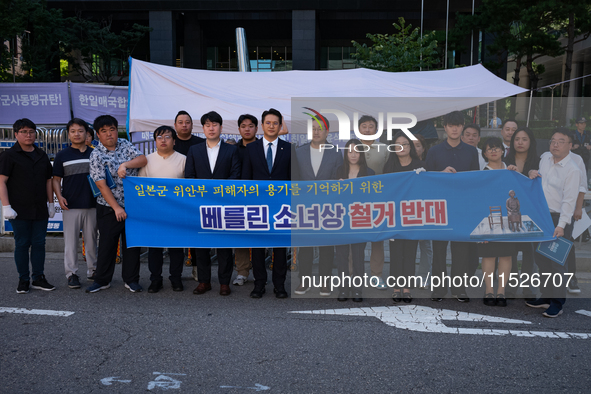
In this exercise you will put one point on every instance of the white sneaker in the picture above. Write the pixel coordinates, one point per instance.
(378, 283)
(195, 276)
(240, 280)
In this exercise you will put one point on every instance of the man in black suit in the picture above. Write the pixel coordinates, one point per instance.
(315, 164)
(213, 159)
(266, 159)
(183, 125)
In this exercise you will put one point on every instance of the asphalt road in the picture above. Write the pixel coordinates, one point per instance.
(180, 342)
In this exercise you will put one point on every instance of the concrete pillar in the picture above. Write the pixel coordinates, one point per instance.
(162, 38)
(194, 49)
(304, 40)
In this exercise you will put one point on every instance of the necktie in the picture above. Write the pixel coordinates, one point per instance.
(270, 157)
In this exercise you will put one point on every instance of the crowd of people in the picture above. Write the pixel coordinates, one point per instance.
(87, 182)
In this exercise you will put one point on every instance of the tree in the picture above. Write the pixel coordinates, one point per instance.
(522, 31)
(402, 51)
(40, 31)
(98, 53)
(575, 22)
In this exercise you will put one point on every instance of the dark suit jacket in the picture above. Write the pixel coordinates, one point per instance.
(331, 160)
(255, 162)
(227, 165)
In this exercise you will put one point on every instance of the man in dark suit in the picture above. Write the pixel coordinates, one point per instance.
(266, 159)
(316, 164)
(213, 159)
(183, 125)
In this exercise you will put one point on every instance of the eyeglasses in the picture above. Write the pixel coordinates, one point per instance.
(493, 150)
(405, 144)
(164, 137)
(557, 142)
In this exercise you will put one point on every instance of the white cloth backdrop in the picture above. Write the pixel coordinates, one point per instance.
(158, 92)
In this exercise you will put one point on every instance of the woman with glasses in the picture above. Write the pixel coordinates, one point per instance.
(403, 252)
(493, 151)
(523, 157)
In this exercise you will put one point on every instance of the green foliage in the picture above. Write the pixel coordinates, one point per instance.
(40, 32)
(102, 52)
(402, 51)
(48, 39)
(524, 29)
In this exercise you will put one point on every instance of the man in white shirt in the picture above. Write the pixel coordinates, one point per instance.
(165, 163)
(471, 136)
(560, 182)
(376, 155)
(213, 159)
(315, 164)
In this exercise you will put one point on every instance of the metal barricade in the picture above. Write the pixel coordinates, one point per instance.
(146, 147)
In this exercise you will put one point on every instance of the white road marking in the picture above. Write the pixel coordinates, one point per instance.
(584, 312)
(36, 312)
(258, 387)
(425, 319)
(109, 381)
(165, 382)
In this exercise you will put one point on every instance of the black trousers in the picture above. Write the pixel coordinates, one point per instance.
(225, 265)
(555, 295)
(459, 264)
(259, 270)
(325, 259)
(403, 255)
(357, 257)
(156, 260)
(110, 230)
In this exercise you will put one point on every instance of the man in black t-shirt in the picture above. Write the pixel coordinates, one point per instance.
(183, 125)
(72, 188)
(27, 201)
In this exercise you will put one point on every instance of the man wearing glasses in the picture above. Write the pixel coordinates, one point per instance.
(560, 182)
(25, 191)
(165, 163)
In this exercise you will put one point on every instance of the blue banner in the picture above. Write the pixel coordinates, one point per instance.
(470, 206)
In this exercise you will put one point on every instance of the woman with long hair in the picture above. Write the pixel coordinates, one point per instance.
(425, 246)
(354, 166)
(523, 157)
(403, 252)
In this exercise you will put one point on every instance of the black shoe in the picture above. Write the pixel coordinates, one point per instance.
(42, 284)
(74, 282)
(257, 292)
(436, 297)
(23, 287)
(357, 296)
(155, 286)
(396, 296)
(407, 297)
(177, 285)
(489, 300)
(462, 297)
(343, 295)
(501, 300)
(279, 292)
(91, 277)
